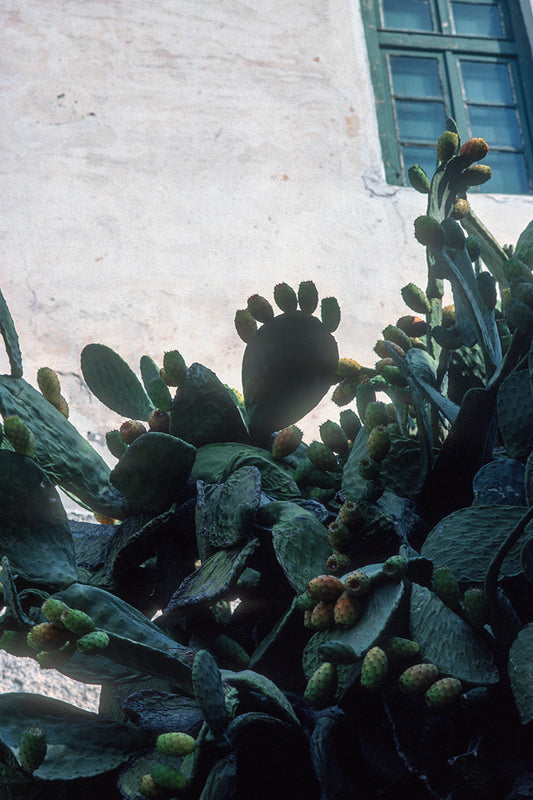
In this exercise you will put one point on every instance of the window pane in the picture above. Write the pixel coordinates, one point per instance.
(486, 82)
(509, 174)
(497, 125)
(407, 15)
(420, 121)
(415, 77)
(477, 19)
(425, 157)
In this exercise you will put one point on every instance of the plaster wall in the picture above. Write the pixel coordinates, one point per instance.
(160, 162)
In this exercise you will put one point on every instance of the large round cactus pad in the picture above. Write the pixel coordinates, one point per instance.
(35, 533)
(80, 744)
(519, 667)
(287, 368)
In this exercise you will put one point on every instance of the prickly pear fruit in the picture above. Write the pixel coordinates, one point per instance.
(348, 368)
(130, 430)
(476, 607)
(334, 437)
(398, 648)
(245, 324)
(345, 392)
(115, 443)
(322, 615)
(346, 611)
(418, 179)
(325, 587)
(381, 348)
(378, 443)
(393, 375)
(330, 313)
(149, 788)
(14, 642)
(286, 442)
(62, 406)
(374, 668)
(461, 208)
(368, 468)
(357, 583)
(53, 608)
(92, 642)
(322, 685)
(376, 414)
(32, 748)
(168, 777)
(305, 602)
(473, 150)
(447, 146)
(175, 743)
(476, 175)
(394, 567)
(395, 335)
(350, 423)
(448, 316)
(339, 537)
(78, 622)
(415, 298)
(159, 421)
(350, 514)
(174, 368)
(48, 383)
(285, 297)
(443, 693)
(322, 457)
(446, 587)
(337, 653)
(46, 636)
(412, 326)
(260, 308)
(338, 563)
(19, 436)
(417, 678)
(307, 296)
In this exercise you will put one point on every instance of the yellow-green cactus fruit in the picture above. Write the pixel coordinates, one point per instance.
(307, 297)
(418, 179)
(461, 208)
(175, 743)
(260, 308)
(447, 146)
(53, 609)
(415, 298)
(443, 693)
(348, 368)
(168, 777)
(338, 563)
(77, 621)
(285, 297)
(62, 407)
(378, 443)
(322, 685)
(48, 383)
(476, 175)
(19, 436)
(321, 456)
(32, 748)
(245, 324)
(445, 585)
(374, 668)
(394, 334)
(418, 678)
(346, 391)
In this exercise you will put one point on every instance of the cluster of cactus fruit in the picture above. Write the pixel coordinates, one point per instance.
(348, 618)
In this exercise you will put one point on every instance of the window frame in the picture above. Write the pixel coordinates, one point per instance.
(447, 48)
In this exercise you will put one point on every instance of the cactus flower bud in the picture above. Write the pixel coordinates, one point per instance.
(32, 748)
(330, 313)
(245, 324)
(473, 150)
(48, 383)
(260, 308)
(418, 179)
(447, 146)
(285, 297)
(429, 233)
(415, 298)
(307, 296)
(130, 430)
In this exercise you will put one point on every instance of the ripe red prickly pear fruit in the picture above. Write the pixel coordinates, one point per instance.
(174, 368)
(339, 537)
(159, 421)
(322, 615)
(321, 456)
(285, 297)
(443, 693)
(357, 583)
(46, 636)
(286, 442)
(374, 668)
(130, 430)
(322, 685)
(394, 567)
(260, 308)
(398, 648)
(32, 748)
(307, 296)
(245, 324)
(325, 587)
(330, 313)
(446, 587)
(476, 607)
(338, 563)
(48, 383)
(175, 743)
(19, 436)
(473, 150)
(334, 437)
(378, 443)
(418, 678)
(347, 611)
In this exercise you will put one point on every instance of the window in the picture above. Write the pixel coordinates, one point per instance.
(466, 59)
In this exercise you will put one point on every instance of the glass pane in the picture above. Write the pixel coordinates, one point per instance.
(407, 15)
(420, 121)
(415, 77)
(496, 125)
(509, 174)
(477, 19)
(486, 82)
(426, 157)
